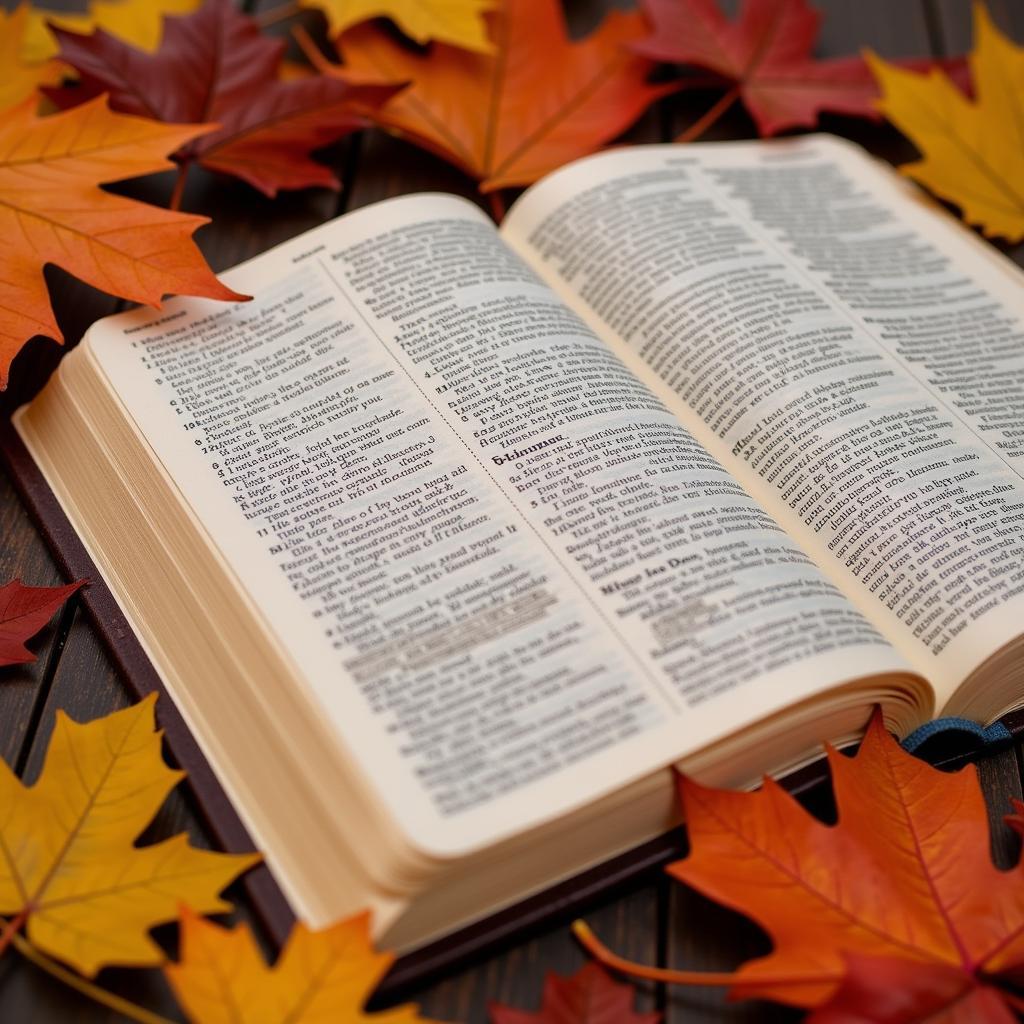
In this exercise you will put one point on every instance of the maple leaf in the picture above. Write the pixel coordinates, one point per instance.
(320, 976)
(217, 65)
(456, 22)
(23, 612)
(52, 210)
(69, 867)
(904, 876)
(590, 996)
(884, 991)
(765, 56)
(139, 22)
(549, 100)
(21, 78)
(973, 150)
(906, 873)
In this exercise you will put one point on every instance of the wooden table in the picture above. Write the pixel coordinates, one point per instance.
(654, 921)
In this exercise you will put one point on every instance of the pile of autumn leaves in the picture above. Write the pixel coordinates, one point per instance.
(498, 89)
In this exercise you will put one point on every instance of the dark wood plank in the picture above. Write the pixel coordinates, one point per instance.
(703, 936)
(31, 996)
(516, 977)
(246, 222)
(953, 22)
(891, 29)
(1000, 776)
(388, 166)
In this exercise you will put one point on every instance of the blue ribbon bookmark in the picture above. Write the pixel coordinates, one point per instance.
(995, 733)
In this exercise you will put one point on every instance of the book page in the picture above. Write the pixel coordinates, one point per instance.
(510, 579)
(849, 354)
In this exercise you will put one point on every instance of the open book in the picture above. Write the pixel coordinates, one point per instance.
(454, 539)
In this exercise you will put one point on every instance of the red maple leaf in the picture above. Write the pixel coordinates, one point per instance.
(765, 55)
(216, 65)
(900, 896)
(588, 997)
(23, 612)
(877, 990)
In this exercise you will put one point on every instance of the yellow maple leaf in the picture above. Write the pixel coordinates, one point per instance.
(139, 22)
(972, 150)
(320, 976)
(68, 866)
(456, 22)
(20, 78)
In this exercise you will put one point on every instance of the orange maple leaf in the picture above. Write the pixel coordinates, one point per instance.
(52, 210)
(905, 877)
(508, 117)
(320, 976)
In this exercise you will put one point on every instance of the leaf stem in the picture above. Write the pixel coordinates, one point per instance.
(11, 928)
(599, 951)
(311, 50)
(706, 120)
(276, 14)
(497, 204)
(179, 186)
(86, 988)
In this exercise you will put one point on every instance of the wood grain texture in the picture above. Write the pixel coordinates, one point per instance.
(516, 977)
(653, 922)
(1000, 776)
(952, 22)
